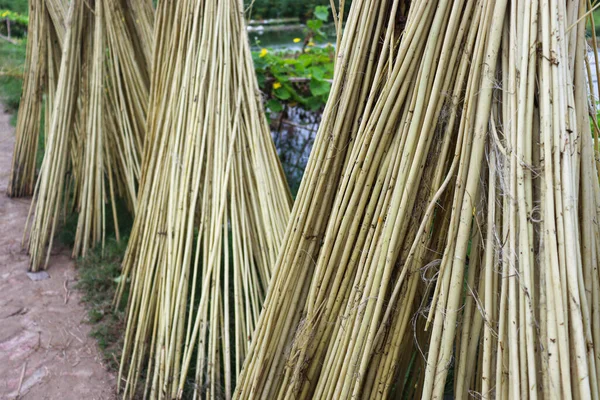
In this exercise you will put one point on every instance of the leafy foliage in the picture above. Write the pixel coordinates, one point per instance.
(18, 23)
(302, 77)
(14, 17)
(295, 78)
(296, 85)
(12, 62)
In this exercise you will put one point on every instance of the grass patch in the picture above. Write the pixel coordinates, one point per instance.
(99, 273)
(98, 278)
(12, 63)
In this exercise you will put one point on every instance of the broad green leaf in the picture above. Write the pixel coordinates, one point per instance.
(319, 87)
(318, 72)
(314, 24)
(274, 105)
(282, 93)
(322, 13)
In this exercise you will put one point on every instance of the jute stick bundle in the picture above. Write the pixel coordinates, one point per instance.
(212, 210)
(96, 127)
(46, 25)
(447, 220)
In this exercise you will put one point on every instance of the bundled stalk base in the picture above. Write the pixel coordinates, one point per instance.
(212, 211)
(95, 127)
(448, 217)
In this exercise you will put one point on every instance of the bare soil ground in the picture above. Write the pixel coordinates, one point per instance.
(45, 348)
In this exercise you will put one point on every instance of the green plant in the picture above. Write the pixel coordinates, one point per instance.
(17, 22)
(295, 85)
(14, 17)
(98, 278)
(12, 61)
(298, 78)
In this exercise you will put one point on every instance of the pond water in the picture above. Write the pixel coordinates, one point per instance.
(282, 37)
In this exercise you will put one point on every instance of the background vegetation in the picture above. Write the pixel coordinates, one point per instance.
(12, 55)
(268, 9)
(12, 60)
(295, 83)
(18, 6)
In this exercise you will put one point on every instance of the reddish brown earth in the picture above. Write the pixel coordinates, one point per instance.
(45, 348)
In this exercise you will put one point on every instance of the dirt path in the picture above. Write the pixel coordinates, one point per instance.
(44, 342)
